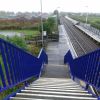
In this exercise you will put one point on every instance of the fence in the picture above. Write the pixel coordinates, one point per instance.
(90, 28)
(86, 68)
(17, 66)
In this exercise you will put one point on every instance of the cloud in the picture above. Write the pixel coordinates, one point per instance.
(50, 5)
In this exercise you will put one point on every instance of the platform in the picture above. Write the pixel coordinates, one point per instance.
(89, 33)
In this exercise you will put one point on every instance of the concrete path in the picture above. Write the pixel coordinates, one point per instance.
(56, 52)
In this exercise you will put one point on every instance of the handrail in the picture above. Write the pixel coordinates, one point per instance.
(44, 59)
(85, 68)
(16, 65)
(43, 56)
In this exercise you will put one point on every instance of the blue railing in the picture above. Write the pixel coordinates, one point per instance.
(43, 56)
(17, 66)
(85, 68)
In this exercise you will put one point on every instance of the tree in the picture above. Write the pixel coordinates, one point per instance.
(56, 12)
(49, 26)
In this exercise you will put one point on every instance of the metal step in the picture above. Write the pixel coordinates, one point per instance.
(54, 97)
(47, 86)
(57, 93)
(50, 81)
(53, 89)
(59, 90)
(55, 83)
(32, 88)
(19, 98)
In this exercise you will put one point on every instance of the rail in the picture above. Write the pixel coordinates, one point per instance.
(16, 65)
(85, 68)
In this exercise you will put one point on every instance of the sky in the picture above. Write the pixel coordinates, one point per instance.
(50, 5)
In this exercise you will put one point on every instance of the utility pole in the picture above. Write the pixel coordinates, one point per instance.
(41, 22)
(87, 15)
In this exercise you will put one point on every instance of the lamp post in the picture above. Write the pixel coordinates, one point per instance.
(87, 15)
(57, 17)
(41, 21)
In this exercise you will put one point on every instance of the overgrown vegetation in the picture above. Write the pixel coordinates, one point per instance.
(21, 43)
(19, 24)
(49, 25)
(18, 41)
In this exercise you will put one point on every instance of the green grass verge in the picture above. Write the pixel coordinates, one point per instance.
(26, 32)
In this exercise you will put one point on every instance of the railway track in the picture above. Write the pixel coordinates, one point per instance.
(80, 41)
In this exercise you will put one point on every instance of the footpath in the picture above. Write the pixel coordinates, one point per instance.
(56, 52)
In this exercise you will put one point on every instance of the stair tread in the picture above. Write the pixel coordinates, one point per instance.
(58, 90)
(22, 98)
(71, 88)
(55, 92)
(54, 96)
(67, 85)
(74, 90)
(53, 89)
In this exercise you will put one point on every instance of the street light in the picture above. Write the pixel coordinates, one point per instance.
(41, 21)
(87, 15)
(57, 17)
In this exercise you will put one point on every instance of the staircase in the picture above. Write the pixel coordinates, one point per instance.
(55, 82)
(53, 89)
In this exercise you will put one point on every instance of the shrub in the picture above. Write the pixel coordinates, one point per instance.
(18, 41)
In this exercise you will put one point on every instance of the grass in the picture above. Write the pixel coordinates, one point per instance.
(26, 32)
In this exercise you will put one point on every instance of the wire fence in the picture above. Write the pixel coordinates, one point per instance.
(90, 28)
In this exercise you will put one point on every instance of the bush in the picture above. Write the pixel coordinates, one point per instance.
(33, 49)
(18, 41)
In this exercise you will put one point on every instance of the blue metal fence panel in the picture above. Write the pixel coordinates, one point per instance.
(17, 66)
(43, 57)
(68, 57)
(86, 68)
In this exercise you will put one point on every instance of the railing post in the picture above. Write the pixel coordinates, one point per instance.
(98, 98)
(73, 78)
(26, 83)
(86, 87)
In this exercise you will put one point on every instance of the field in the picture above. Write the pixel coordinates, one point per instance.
(24, 31)
(20, 23)
(94, 20)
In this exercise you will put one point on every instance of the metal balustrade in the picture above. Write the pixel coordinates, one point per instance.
(85, 68)
(16, 65)
(91, 29)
